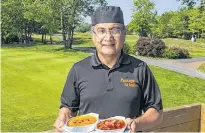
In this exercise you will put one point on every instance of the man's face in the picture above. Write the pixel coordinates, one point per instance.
(108, 38)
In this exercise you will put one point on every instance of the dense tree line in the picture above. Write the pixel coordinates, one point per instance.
(187, 22)
(85, 27)
(21, 18)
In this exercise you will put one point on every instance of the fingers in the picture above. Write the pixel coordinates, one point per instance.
(60, 121)
(133, 126)
(129, 122)
(58, 125)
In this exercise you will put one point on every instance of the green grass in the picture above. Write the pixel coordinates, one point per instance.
(195, 49)
(202, 67)
(178, 89)
(200, 40)
(83, 39)
(131, 39)
(38, 37)
(33, 78)
(32, 81)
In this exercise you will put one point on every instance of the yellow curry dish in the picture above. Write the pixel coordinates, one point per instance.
(82, 120)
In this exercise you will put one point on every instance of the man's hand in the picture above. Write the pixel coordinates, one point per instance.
(148, 120)
(63, 117)
(131, 125)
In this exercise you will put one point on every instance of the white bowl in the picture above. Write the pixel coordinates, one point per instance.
(87, 128)
(117, 130)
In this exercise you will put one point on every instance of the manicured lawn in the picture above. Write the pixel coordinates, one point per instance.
(178, 89)
(33, 78)
(83, 39)
(202, 67)
(38, 37)
(131, 39)
(32, 81)
(195, 49)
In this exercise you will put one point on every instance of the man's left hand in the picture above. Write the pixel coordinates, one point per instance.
(131, 125)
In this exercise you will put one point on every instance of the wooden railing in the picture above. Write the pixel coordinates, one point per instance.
(187, 118)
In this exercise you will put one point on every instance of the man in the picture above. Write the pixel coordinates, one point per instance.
(110, 82)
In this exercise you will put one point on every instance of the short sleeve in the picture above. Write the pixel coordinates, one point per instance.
(70, 94)
(151, 97)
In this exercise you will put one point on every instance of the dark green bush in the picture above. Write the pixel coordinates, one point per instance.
(150, 47)
(176, 53)
(11, 38)
(128, 49)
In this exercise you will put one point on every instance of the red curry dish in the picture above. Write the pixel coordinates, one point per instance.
(111, 124)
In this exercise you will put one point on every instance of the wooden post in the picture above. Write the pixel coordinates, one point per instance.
(202, 123)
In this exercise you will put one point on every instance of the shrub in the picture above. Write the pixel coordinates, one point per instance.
(176, 53)
(11, 38)
(150, 47)
(128, 49)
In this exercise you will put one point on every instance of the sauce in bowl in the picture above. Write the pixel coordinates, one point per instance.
(83, 120)
(111, 124)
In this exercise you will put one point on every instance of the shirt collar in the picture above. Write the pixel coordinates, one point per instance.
(95, 60)
(124, 59)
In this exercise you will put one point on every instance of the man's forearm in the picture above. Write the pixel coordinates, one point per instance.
(149, 119)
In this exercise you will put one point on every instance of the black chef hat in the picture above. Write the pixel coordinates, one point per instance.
(107, 14)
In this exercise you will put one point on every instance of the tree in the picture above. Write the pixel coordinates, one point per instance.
(83, 28)
(21, 16)
(197, 21)
(165, 29)
(192, 3)
(142, 17)
(12, 19)
(72, 12)
(178, 23)
(46, 13)
(155, 29)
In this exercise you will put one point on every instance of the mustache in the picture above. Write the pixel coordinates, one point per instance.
(110, 44)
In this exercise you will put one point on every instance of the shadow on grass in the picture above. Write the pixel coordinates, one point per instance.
(17, 45)
(49, 47)
(79, 41)
(77, 49)
(76, 41)
(35, 43)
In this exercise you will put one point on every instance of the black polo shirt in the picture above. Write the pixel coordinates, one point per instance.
(125, 90)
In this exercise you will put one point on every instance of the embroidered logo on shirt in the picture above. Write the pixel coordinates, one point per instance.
(128, 82)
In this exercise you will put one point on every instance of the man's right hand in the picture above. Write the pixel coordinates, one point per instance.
(63, 117)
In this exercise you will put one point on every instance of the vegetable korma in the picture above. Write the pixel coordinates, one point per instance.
(82, 120)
